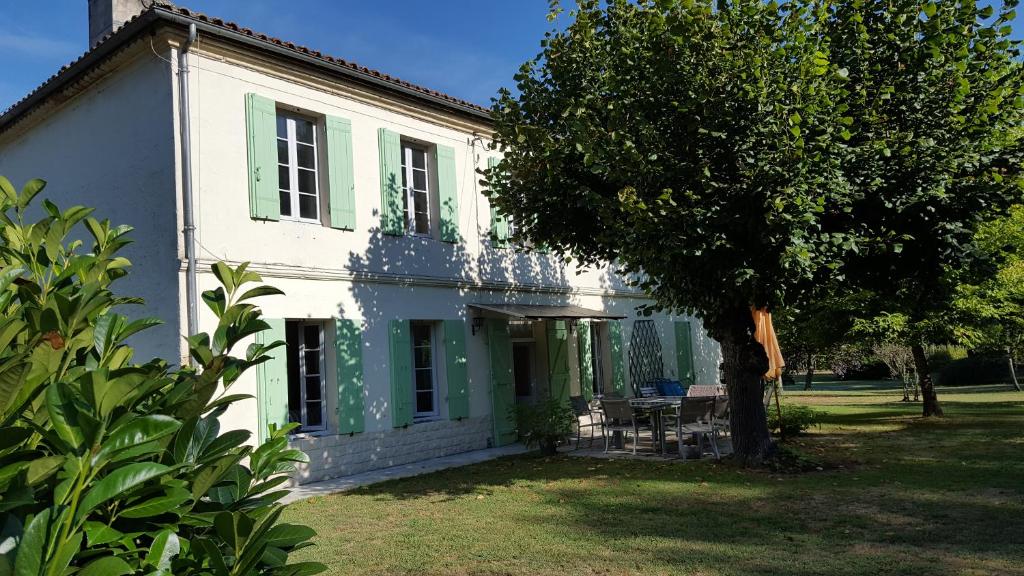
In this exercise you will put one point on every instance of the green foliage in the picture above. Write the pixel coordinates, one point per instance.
(544, 424)
(111, 467)
(974, 370)
(796, 419)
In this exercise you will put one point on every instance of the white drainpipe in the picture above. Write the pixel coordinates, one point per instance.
(189, 229)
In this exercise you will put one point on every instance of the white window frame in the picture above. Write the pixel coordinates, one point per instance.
(293, 167)
(410, 192)
(301, 350)
(435, 410)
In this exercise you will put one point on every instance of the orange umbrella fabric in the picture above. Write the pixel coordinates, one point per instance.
(764, 333)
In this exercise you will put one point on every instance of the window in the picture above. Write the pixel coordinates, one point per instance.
(297, 168)
(424, 370)
(307, 386)
(415, 188)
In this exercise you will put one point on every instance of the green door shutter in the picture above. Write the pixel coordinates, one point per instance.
(684, 352)
(392, 214)
(272, 380)
(348, 342)
(503, 396)
(401, 373)
(616, 351)
(340, 173)
(455, 367)
(499, 225)
(558, 360)
(586, 360)
(261, 136)
(448, 193)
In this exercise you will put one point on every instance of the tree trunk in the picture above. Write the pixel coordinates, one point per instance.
(745, 362)
(1013, 372)
(924, 377)
(809, 377)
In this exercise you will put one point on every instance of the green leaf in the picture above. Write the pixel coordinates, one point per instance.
(106, 566)
(64, 413)
(117, 483)
(164, 548)
(135, 432)
(42, 468)
(171, 501)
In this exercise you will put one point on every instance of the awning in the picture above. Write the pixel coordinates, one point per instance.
(541, 312)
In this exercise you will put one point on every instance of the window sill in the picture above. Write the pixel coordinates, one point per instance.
(311, 434)
(425, 419)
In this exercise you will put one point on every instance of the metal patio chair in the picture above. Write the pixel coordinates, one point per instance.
(619, 417)
(694, 418)
(595, 419)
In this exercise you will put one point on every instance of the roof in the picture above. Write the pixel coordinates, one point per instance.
(542, 311)
(165, 13)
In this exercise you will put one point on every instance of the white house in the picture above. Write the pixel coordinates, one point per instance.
(412, 324)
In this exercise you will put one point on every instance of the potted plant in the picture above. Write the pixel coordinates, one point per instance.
(545, 424)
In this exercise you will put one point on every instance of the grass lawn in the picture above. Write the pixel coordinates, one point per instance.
(901, 496)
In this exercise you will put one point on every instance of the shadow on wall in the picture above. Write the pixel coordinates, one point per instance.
(382, 286)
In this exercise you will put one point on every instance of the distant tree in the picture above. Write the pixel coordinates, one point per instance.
(813, 333)
(933, 104)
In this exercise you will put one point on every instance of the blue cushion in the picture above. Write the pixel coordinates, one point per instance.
(671, 388)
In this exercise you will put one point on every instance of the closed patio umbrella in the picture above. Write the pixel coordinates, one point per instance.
(764, 333)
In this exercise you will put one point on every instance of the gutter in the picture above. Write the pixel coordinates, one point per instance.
(188, 216)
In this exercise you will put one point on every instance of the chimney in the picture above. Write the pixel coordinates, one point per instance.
(106, 16)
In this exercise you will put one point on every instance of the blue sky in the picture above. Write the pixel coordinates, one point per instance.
(466, 48)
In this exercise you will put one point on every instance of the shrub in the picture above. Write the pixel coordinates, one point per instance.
(795, 419)
(545, 424)
(974, 370)
(108, 467)
(941, 356)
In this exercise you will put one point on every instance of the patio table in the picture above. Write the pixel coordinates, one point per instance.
(655, 406)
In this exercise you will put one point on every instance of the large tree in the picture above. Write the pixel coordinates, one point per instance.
(933, 102)
(706, 147)
(691, 145)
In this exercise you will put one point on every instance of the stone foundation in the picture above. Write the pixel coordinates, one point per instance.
(336, 455)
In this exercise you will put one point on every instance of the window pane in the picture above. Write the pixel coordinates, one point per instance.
(424, 379)
(421, 335)
(286, 204)
(419, 159)
(312, 362)
(283, 178)
(282, 127)
(307, 181)
(425, 402)
(422, 223)
(314, 414)
(304, 131)
(306, 155)
(419, 179)
(422, 357)
(307, 206)
(282, 151)
(311, 336)
(312, 387)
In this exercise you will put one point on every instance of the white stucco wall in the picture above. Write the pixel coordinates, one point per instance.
(112, 148)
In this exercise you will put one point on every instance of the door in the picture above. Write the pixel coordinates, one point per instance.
(522, 370)
(503, 398)
(597, 359)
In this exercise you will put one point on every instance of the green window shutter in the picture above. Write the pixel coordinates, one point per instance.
(272, 380)
(503, 395)
(261, 136)
(401, 373)
(499, 225)
(448, 193)
(455, 364)
(684, 352)
(618, 370)
(341, 179)
(392, 214)
(586, 360)
(348, 342)
(558, 360)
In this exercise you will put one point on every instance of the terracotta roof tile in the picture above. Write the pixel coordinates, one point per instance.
(232, 26)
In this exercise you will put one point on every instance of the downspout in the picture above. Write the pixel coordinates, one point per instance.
(189, 229)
